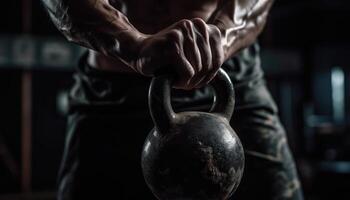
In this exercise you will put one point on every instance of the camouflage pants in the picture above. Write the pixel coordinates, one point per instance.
(109, 121)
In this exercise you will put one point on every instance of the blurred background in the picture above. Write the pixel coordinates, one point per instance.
(306, 58)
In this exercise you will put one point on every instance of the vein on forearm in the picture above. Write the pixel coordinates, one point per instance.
(106, 29)
(240, 22)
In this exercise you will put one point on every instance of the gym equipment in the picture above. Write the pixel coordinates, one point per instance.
(192, 155)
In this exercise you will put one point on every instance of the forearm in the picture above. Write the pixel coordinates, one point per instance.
(96, 25)
(240, 22)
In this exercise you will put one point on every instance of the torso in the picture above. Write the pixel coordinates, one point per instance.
(150, 16)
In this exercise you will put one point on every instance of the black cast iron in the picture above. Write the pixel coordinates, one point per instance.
(192, 155)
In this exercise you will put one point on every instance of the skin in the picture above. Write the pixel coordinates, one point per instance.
(188, 38)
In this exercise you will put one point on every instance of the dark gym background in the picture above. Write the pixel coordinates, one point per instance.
(306, 57)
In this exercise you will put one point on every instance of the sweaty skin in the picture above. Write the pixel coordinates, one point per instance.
(189, 38)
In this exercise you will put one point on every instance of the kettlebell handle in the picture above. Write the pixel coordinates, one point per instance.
(159, 99)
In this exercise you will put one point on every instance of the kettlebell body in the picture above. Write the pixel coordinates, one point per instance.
(192, 155)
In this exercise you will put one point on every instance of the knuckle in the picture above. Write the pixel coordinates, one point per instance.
(198, 20)
(200, 25)
(215, 30)
(175, 35)
(186, 23)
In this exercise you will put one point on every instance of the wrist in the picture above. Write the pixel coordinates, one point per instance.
(127, 50)
(136, 41)
(128, 44)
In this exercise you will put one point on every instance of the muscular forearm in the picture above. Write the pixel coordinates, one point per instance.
(97, 25)
(240, 22)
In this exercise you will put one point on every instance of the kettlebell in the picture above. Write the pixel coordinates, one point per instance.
(192, 155)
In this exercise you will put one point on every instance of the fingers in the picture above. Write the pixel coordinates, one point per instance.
(198, 53)
(217, 54)
(212, 54)
(205, 50)
(185, 74)
(216, 47)
(191, 49)
(183, 68)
